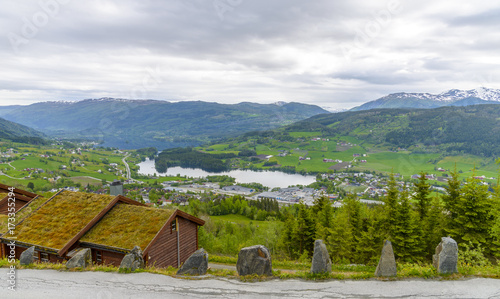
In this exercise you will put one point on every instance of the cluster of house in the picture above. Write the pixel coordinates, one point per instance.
(110, 226)
(9, 153)
(289, 195)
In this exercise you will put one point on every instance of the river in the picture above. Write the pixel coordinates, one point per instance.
(269, 179)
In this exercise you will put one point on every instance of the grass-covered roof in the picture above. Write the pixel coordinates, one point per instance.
(126, 226)
(3, 223)
(61, 218)
(2, 195)
(30, 207)
(25, 211)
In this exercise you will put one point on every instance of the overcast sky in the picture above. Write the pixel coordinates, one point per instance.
(336, 54)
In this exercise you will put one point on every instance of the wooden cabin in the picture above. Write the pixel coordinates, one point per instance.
(22, 198)
(109, 225)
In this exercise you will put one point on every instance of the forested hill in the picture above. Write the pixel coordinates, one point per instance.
(19, 133)
(470, 129)
(137, 124)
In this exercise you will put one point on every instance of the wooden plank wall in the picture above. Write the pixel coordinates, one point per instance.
(111, 258)
(163, 252)
(188, 234)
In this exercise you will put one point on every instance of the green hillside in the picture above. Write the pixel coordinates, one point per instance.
(19, 133)
(162, 124)
(405, 141)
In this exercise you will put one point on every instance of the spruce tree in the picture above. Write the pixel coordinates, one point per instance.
(451, 199)
(305, 230)
(475, 217)
(405, 236)
(288, 240)
(391, 206)
(422, 198)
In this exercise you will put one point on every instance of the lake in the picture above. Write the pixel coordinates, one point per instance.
(270, 179)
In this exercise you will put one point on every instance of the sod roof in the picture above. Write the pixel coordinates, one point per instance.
(24, 211)
(2, 195)
(60, 219)
(3, 223)
(30, 207)
(126, 226)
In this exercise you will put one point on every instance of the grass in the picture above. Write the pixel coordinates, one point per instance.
(339, 272)
(86, 180)
(126, 226)
(235, 218)
(59, 220)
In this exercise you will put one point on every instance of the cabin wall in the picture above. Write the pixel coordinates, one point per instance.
(163, 252)
(188, 234)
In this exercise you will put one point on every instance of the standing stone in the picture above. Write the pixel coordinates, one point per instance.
(82, 259)
(133, 260)
(446, 258)
(26, 257)
(321, 261)
(254, 260)
(387, 263)
(196, 264)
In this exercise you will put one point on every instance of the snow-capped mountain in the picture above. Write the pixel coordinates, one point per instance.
(454, 97)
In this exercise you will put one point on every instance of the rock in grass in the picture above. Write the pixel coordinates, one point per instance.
(196, 264)
(133, 260)
(80, 260)
(387, 263)
(446, 258)
(26, 257)
(254, 260)
(321, 261)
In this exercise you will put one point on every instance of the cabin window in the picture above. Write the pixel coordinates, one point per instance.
(44, 257)
(35, 256)
(174, 225)
(98, 256)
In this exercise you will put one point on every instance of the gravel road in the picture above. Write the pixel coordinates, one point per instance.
(53, 284)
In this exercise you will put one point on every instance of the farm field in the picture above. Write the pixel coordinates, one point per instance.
(361, 155)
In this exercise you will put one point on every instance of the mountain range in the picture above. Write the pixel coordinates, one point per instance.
(142, 123)
(452, 129)
(454, 97)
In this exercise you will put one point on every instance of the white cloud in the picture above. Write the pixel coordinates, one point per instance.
(329, 53)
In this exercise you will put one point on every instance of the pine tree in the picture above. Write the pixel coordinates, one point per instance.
(422, 198)
(433, 228)
(354, 212)
(451, 199)
(405, 236)
(305, 230)
(288, 240)
(475, 217)
(391, 206)
(340, 242)
(369, 244)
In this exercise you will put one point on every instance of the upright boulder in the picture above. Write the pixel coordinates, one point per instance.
(446, 258)
(26, 257)
(321, 261)
(387, 263)
(81, 259)
(196, 264)
(133, 260)
(254, 260)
